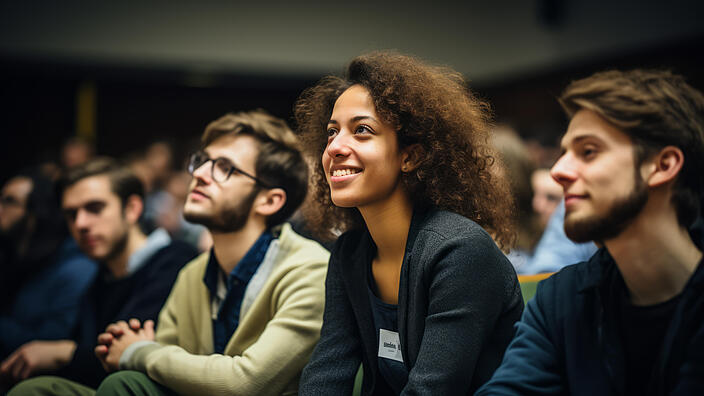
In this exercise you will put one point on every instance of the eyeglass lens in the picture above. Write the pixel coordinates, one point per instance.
(220, 170)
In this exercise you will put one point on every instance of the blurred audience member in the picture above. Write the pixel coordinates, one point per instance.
(153, 166)
(159, 159)
(43, 275)
(547, 194)
(169, 211)
(631, 319)
(555, 250)
(76, 151)
(102, 202)
(519, 167)
(138, 165)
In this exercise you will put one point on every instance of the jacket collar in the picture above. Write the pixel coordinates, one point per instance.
(591, 274)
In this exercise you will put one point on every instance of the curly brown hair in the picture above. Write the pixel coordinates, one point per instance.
(430, 106)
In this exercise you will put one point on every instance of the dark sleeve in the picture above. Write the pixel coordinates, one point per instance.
(690, 380)
(59, 311)
(337, 356)
(84, 367)
(153, 287)
(471, 285)
(531, 365)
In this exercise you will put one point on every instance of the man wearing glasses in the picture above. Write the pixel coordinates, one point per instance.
(243, 318)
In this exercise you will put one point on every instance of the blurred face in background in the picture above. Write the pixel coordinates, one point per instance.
(158, 158)
(75, 152)
(13, 203)
(96, 217)
(547, 194)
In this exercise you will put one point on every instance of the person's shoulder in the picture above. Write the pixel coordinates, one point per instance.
(447, 225)
(198, 263)
(564, 287)
(179, 248)
(176, 251)
(561, 281)
(349, 241)
(439, 230)
(299, 249)
(172, 257)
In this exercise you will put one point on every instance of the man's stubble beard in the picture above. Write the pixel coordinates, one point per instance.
(119, 246)
(609, 225)
(230, 220)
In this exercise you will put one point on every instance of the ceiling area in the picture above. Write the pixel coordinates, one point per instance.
(485, 40)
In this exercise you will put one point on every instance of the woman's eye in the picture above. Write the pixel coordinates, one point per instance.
(588, 152)
(362, 129)
(332, 132)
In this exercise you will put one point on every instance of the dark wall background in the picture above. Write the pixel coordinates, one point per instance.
(165, 69)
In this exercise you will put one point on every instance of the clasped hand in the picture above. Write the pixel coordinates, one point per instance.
(36, 357)
(117, 337)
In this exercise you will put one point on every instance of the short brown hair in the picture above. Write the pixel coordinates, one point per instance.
(279, 162)
(655, 109)
(123, 182)
(430, 106)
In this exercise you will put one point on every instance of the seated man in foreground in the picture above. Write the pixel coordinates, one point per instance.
(243, 318)
(631, 319)
(102, 202)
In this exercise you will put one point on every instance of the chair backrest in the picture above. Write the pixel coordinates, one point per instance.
(357, 391)
(529, 284)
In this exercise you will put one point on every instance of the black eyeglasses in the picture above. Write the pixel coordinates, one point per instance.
(221, 168)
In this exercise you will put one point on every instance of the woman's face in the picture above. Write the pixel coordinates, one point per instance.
(362, 160)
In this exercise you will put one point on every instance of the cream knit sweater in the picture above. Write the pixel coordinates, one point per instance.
(280, 321)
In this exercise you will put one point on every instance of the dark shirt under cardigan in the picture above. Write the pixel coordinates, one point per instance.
(228, 316)
(458, 300)
(139, 295)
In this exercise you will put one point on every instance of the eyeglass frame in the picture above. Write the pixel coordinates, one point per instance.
(233, 168)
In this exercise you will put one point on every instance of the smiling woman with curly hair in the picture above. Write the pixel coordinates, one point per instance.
(417, 290)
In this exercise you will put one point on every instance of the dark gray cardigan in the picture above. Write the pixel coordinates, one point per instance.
(458, 300)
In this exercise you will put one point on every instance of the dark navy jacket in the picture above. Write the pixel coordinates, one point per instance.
(568, 341)
(46, 306)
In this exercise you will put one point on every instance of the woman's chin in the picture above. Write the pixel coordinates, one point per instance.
(344, 202)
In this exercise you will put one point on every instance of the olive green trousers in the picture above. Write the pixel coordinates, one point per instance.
(121, 383)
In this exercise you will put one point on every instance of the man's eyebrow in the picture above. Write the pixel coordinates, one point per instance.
(83, 205)
(582, 138)
(576, 140)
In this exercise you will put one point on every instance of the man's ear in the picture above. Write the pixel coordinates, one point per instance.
(270, 201)
(411, 157)
(665, 166)
(134, 205)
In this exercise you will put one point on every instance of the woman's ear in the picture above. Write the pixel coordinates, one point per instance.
(411, 157)
(665, 166)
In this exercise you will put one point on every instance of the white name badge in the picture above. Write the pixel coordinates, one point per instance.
(389, 345)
